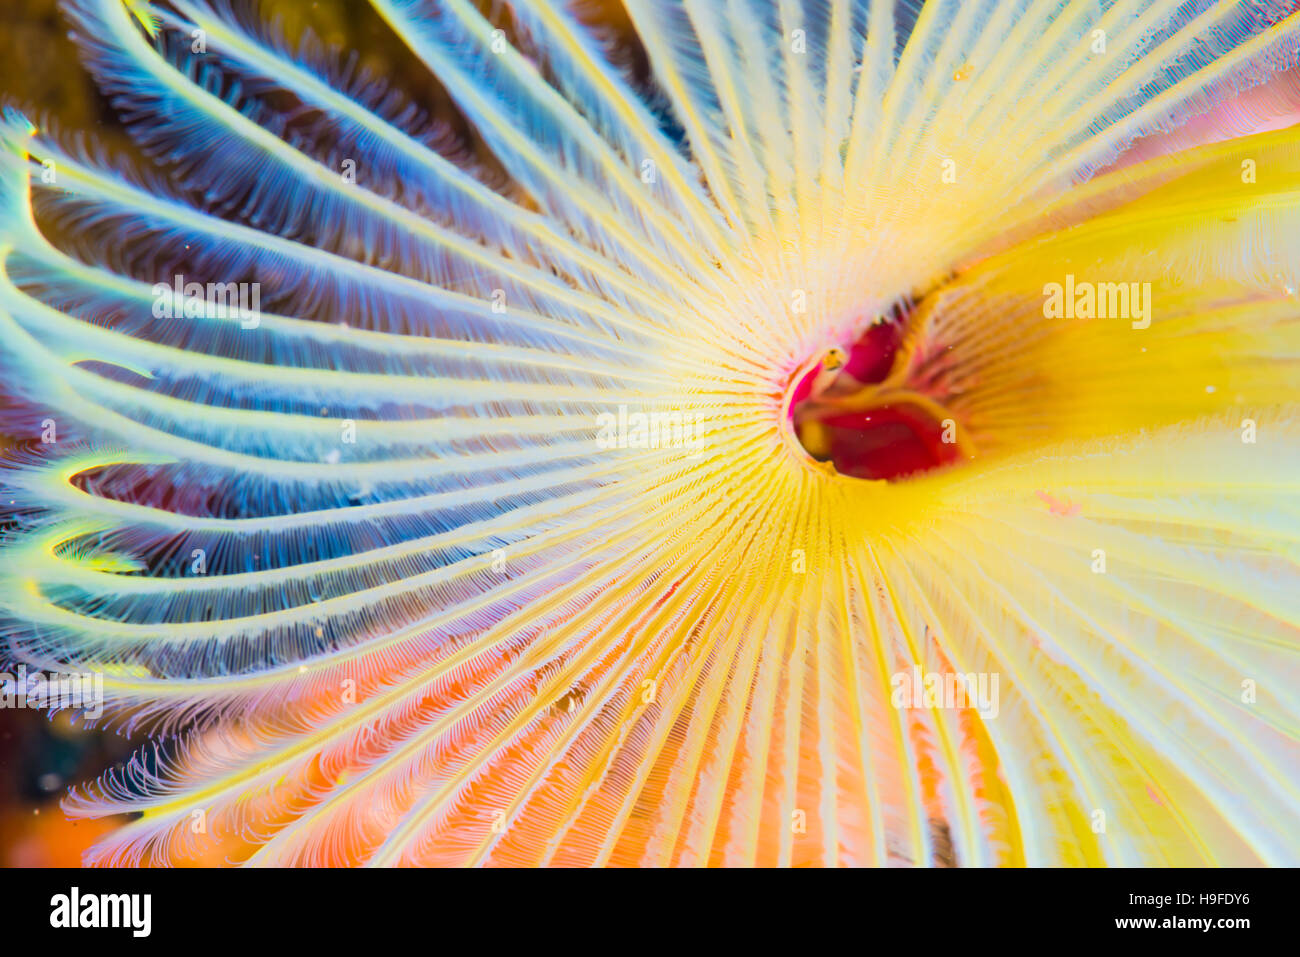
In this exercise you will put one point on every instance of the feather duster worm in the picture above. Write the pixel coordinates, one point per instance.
(643, 496)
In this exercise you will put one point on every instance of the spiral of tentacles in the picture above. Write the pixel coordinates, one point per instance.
(592, 500)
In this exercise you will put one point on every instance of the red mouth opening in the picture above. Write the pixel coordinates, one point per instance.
(845, 411)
